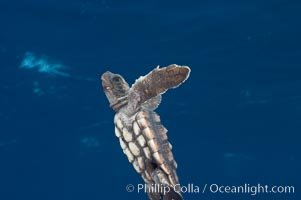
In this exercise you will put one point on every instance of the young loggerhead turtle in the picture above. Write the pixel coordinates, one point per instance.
(141, 135)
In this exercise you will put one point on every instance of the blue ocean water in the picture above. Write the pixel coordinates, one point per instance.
(235, 121)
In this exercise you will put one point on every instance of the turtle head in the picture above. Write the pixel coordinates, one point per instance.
(116, 89)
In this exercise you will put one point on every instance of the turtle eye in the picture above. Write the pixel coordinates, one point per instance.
(116, 79)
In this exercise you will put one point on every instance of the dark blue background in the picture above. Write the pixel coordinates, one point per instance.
(236, 120)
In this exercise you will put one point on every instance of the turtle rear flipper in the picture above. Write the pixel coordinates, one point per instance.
(156, 82)
(168, 192)
(171, 195)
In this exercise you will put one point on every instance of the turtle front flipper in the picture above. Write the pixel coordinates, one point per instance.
(152, 103)
(157, 82)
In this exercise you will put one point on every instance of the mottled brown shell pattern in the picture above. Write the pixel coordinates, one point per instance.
(145, 140)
